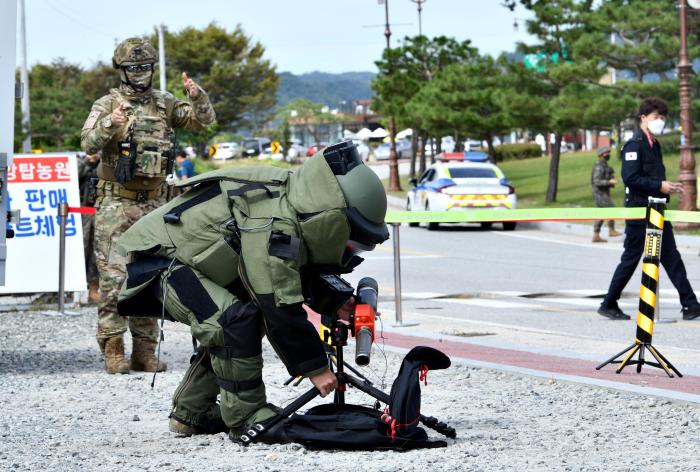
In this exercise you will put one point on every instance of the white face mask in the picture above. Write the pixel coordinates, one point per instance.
(656, 126)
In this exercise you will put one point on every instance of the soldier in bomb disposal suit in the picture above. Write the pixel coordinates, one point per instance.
(132, 126)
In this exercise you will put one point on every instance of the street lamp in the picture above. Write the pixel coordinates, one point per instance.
(419, 4)
(687, 175)
(394, 184)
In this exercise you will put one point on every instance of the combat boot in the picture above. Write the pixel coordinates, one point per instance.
(612, 233)
(143, 356)
(182, 429)
(114, 356)
(598, 239)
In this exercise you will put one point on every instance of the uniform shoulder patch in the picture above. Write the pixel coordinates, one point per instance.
(91, 119)
(631, 156)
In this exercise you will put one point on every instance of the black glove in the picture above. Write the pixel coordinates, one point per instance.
(126, 164)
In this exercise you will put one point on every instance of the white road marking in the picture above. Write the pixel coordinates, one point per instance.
(380, 258)
(566, 243)
(487, 303)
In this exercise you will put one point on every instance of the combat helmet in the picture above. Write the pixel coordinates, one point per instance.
(364, 195)
(134, 51)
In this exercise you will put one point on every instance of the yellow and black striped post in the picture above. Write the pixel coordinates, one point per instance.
(648, 292)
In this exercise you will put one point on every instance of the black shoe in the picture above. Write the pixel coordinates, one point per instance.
(614, 313)
(691, 312)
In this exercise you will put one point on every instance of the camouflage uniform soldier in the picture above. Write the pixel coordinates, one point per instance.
(602, 180)
(87, 172)
(132, 126)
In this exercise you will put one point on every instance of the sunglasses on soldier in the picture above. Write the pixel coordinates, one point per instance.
(139, 67)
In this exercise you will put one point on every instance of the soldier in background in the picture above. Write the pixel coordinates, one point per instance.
(87, 178)
(602, 180)
(132, 126)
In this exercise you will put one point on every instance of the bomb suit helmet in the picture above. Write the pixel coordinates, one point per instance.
(133, 52)
(364, 195)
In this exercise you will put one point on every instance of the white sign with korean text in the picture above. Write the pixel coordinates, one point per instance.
(37, 184)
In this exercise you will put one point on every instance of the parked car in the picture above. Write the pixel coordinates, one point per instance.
(454, 186)
(403, 150)
(226, 151)
(254, 146)
(296, 151)
(472, 145)
(314, 148)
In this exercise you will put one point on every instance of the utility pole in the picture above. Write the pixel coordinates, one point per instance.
(419, 4)
(687, 175)
(394, 183)
(24, 78)
(161, 56)
(8, 93)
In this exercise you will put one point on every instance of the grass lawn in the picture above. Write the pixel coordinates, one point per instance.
(201, 165)
(530, 177)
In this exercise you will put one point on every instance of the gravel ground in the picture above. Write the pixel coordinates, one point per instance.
(60, 411)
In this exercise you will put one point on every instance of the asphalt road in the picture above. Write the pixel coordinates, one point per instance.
(529, 288)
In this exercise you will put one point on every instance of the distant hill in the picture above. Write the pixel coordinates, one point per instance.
(322, 87)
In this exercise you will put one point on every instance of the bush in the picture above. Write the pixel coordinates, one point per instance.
(507, 152)
(671, 142)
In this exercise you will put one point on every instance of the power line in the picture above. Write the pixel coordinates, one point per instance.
(75, 20)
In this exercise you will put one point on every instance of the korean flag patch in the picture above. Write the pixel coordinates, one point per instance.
(630, 156)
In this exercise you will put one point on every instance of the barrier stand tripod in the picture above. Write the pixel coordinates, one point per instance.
(648, 292)
(336, 335)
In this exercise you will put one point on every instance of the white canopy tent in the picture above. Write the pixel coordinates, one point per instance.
(364, 134)
(404, 134)
(379, 133)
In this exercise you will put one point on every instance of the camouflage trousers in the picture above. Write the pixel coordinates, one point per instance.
(229, 361)
(602, 200)
(89, 246)
(114, 216)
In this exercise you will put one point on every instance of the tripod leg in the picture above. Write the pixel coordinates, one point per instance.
(664, 362)
(641, 361)
(257, 429)
(627, 359)
(615, 357)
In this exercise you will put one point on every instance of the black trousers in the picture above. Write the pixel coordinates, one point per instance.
(670, 260)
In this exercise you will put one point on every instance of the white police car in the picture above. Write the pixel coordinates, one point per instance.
(462, 181)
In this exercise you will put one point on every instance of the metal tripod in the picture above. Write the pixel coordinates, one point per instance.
(337, 337)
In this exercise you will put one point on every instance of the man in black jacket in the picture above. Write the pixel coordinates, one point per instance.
(644, 176)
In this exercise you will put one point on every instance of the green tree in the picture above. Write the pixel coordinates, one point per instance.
(639, 39)
(645, 36)
(470, 98)
(403, 70)
(231, 67)
(58, 106)
(562, 77)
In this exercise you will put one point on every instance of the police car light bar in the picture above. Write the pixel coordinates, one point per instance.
(471, 156)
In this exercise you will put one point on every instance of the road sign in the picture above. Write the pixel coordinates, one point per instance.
(275, 147)
(38, 183)
(212, 150)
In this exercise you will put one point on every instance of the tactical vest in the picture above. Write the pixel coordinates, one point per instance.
(241, 221)
(149, 133)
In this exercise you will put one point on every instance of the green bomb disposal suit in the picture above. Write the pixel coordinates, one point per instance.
(230, 258)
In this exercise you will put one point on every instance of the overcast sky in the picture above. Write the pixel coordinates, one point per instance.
(299, 35)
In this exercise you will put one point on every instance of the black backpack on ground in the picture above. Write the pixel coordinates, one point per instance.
(354, 427)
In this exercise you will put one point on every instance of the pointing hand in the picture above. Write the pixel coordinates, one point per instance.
(118, 116)
(190, 85)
